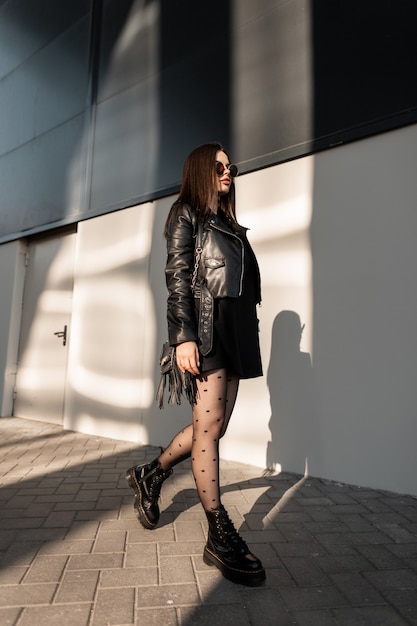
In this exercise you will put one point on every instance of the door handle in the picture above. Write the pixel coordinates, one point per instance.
(63, 334)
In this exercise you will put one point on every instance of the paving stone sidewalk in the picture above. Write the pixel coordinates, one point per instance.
(74, 554)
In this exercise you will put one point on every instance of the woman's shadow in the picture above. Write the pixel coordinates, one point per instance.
(293, 426)
(276, 494)
(293, 423)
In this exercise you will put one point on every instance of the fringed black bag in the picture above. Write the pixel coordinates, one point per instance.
(179, 383)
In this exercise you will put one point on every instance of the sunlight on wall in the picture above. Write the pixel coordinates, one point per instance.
(276, 204)
(38, 377)
(54, 300)
(119, 393)
(113, 254)
(109, 427)
(109, 331)
(127, 122)
(271, 221)
(141, 21)
(266, 34)
(110, 378)
(288, 269)
(41, 373)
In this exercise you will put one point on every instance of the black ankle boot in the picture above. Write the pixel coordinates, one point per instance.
(146, 481)
(226, 550)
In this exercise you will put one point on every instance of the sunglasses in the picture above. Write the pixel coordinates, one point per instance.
(221, 168)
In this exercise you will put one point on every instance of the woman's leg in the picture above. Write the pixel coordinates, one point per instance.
(231, 395)
(224, 548)
(180, 446)
(178, 449)
(211, 414)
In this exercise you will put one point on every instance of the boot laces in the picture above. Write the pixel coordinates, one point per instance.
(155, 483)
(233, 535)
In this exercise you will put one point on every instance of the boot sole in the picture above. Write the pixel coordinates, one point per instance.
(133, 484)
(249, 579)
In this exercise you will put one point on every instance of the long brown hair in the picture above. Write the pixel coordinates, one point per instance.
(199, 185)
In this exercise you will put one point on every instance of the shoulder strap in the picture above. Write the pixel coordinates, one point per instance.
(197, 253)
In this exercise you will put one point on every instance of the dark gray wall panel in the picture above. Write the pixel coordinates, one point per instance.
(272, 80)
(192, 116)
(129, 40)
(28, 25)
(273, 86)
(43, 179)
(196, 81)
(141, 139)
(364, 58)
(125, 146)
(47, 89)
(180, 97)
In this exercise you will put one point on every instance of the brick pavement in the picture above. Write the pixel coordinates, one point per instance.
(73, 553)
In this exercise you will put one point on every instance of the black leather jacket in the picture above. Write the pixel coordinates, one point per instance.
(220, 274)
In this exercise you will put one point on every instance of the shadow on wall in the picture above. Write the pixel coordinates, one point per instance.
(294, 419)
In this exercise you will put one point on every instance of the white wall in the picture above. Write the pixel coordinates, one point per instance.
(118, 327)
(112, 343)
(336, 239)
(364, 252)
(12, 271)
(276, 205)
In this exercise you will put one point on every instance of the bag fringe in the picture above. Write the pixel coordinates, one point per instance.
(179, 383)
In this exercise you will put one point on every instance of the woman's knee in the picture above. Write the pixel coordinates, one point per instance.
(212, 427)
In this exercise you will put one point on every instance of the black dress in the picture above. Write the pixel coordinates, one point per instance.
(236, 326)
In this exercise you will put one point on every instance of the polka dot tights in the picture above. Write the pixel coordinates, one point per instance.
(217, 391)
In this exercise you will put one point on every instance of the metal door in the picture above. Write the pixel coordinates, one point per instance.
(44, 335)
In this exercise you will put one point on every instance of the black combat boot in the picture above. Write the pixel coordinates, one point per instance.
(146, 481)
(226, 550)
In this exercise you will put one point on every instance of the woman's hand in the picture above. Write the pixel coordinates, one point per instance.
(188, 358)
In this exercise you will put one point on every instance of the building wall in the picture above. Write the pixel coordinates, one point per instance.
(99, 116)
(44, 91)
(103, 99)
(364, 243)
(335, 236)
(12, 273)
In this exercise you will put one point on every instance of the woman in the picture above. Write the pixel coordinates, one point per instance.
(214, 327)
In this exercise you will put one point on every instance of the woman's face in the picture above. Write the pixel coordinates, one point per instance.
(224, 180)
